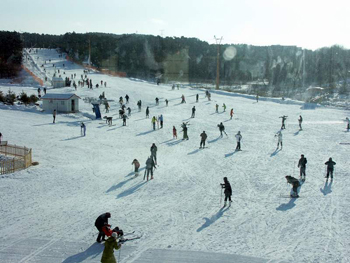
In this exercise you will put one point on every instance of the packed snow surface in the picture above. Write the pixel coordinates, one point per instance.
(78, 178)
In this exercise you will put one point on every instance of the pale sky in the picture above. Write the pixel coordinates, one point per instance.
(305, 23)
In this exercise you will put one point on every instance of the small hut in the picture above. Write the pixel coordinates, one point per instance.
(58, 82)
(60, 102)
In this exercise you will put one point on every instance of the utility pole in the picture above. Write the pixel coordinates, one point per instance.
(218, 42)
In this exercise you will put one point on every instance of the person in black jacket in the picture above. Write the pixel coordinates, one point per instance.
(228, 190)
(295, 183)
(101, 221)
(302, 164)
(330, 167)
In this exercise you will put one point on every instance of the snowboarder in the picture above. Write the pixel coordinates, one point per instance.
(108, 252)
(157, 101)
(101, 221)
(302, 164)
(193, 111)
(231, 114)
(217, 108)
(184, 129)
(279, 137)
(54, 116)
(153, 150)
(300, 120)
(238, 138)
(330, 167)
(136, 164)
(174, 133)
(228, 191)
(203, 138)
(221, 129)
(183, 99)
(154, 120)
(149, 167)
(224, 106)
(284, 117)
(124, 119)
(82, 129)
(348, 125)
(295, 183)
(197, 97)
(147, 112)
(166, 102)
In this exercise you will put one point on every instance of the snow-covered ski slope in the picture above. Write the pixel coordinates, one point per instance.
(79, 178)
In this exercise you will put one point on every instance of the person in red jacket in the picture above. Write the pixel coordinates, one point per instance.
(174, 132)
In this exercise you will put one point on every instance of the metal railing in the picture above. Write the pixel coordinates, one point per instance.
(16, 158)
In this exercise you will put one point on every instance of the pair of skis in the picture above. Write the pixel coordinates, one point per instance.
(122, 240)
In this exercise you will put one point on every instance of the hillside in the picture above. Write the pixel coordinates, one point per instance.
(79, 178)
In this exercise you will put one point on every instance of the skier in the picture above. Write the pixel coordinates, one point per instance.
(302, 164)
(149, 167)
(221, 129)
(127, 98)
(136, 164)
(203, 138)
(139, 105)
(197, 97)
(160, 119)
(183, 99)
(238, 138)
(257, 98)
(153, 150)
(44, 91)
(154, 120)
(129, 111)
(124, 119)
(228, 191)
(106, 106)
(101, 221)
(54, 116)
(82, 129)
(108, 252)
(1, 135)
(166, 102)
(174, 133)
(193, 111)
(348, 126)
(284, 117)
(279, 136)
(300, 120)
(157, 101)
(217, 108)
(224, 106)
(184, 129)
(330, 168)
(147, 112)
(231, 114)
(295, 183)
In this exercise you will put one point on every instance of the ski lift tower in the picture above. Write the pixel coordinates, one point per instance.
(218, 42)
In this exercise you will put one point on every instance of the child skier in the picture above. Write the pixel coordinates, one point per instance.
(238, 138)
(279, 136)
(174, 133)
(136, 164)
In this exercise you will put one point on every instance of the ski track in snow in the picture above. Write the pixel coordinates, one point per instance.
(78, 178)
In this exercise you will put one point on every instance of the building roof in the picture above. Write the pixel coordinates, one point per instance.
(57, 79)
(55, 96)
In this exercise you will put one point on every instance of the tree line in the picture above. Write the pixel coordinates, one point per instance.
(178, 59)
(11, 47)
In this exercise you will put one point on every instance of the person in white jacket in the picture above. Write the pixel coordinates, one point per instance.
(279, 136)
(238, 138)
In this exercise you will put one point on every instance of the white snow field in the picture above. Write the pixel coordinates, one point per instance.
(48, 211)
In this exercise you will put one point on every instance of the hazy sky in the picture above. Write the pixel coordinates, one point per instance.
(306, 23)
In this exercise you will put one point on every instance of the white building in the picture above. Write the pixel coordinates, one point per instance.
(58, 82)
(60, 102)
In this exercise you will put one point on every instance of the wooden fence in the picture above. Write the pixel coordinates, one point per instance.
(16, 158)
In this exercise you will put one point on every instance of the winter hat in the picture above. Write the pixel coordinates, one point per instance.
(108, 214)
(114, 234)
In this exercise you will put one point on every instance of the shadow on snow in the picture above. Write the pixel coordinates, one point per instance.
(210, 221)
(327, 188)
(92, 252)
(131, 190)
